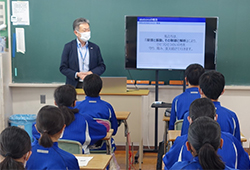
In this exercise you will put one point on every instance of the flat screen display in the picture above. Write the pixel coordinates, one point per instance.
(170, 42)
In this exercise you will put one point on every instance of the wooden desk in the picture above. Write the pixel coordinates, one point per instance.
(109, 134)
(242, 138)
(123, 116)
(107, 139)
(128, 93)
(98, 162)
(166, 119)
(135, 100)
(173, 134)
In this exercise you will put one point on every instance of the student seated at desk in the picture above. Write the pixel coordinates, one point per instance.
(181, 103)
(232, 152)
(45, 152)
(94, 106)
(204, 140)
(79, 127)
(15, 148)
(212, 86)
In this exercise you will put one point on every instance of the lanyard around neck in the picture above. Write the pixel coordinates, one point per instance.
(83, 57)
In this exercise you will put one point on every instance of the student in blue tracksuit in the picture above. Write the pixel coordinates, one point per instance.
(181, 103)
(15, 148)
(79, 127)
(212, 86)
(94, 106)
(232, 152)
(204, 140)
(45, 152)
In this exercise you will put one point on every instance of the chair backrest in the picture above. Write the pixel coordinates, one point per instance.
(104, 122)
(178, 124)
(70, 146)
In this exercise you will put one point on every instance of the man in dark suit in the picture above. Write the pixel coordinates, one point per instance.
(81, 57)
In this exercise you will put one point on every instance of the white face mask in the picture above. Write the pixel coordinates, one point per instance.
(25, 162)
(62, 134)
(85, 36)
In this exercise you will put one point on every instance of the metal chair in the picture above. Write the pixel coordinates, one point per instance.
(178, 124)
(177, 127)
(106, 139)
(104, 122)
(70, 146)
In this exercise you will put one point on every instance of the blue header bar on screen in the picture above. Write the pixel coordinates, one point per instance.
(169, 19)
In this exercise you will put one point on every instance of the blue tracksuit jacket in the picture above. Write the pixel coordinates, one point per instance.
(181, 103)
(227, 120)
(232, 152)
(50, 158)
(83, 129)
(193, 164)
(97, 108)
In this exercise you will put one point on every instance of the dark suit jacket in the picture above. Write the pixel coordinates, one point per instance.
(70, 64)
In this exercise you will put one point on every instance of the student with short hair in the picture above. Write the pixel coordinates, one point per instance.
(181, 103)
(45, 152)
(94, 107)
(212, 86)
(79, 127)
(204, 140)
(15, 148)
(232, 152)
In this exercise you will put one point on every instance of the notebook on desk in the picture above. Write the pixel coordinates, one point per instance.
(114, 84)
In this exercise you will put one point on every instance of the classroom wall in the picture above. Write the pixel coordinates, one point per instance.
(4, 32)
(7, 95)
(51, 27)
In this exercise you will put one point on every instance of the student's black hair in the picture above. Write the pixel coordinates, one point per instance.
(193, 73)
(92, 85)
(14, 144)
(212, 84)
(204, 134)
(49, 122)
(202, 107)
(65, 97)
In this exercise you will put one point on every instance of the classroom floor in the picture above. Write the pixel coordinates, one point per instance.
(149, 161)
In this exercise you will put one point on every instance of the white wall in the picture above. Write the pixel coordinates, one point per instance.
(5, 94)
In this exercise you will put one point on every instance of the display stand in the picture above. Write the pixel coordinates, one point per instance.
(162, 105)
(156, 108)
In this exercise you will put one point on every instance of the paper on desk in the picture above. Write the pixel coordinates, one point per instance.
(83, 161)
(20, 41)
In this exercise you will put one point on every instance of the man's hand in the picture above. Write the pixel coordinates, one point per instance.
(82, 75)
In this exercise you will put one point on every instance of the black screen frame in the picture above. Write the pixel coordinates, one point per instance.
(131, 42)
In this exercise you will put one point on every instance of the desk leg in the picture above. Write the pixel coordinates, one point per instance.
(165, 135)
(140, 153)
(127, 162)
(127, 143)
(164, 138)
(108, 147)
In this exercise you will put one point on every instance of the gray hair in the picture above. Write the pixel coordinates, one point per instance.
(78, 22)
